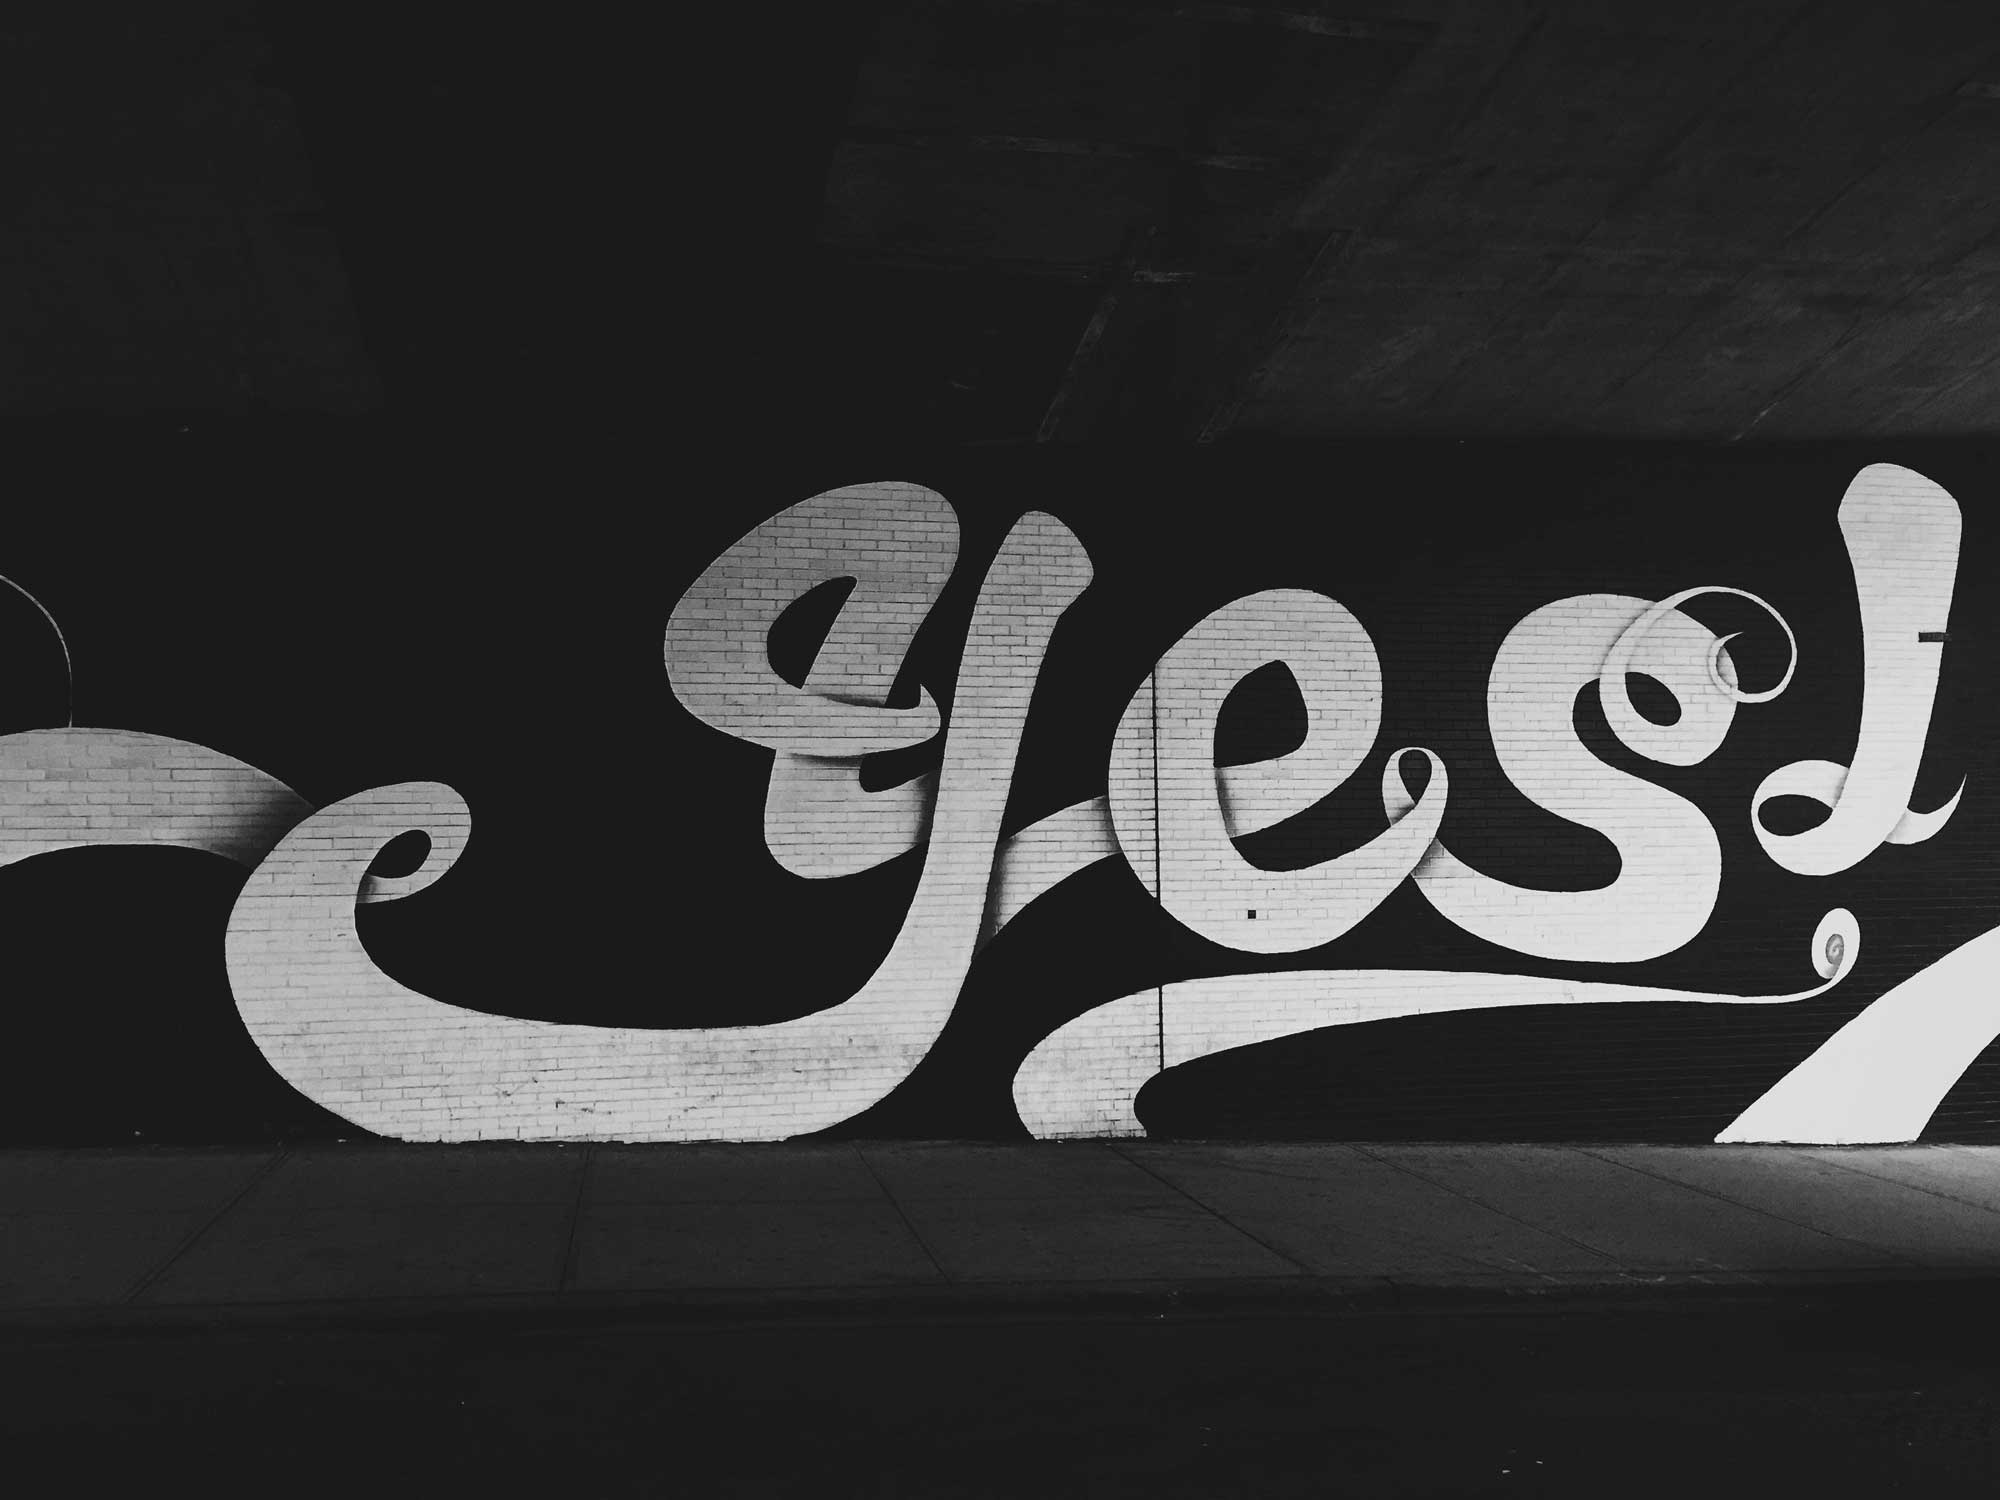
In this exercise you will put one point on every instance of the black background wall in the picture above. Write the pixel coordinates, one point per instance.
(351, 604)
(604, 345)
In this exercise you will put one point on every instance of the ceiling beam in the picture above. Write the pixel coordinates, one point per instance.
(1116, 288)
(1166, 156)
(1443, 85)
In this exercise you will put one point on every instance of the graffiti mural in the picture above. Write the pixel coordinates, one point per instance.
(1595, 702)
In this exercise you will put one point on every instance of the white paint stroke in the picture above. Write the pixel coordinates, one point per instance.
(1654, 638)
(68, 788)
(1881, 1077)
(1084, 1078)
(717, 641)
(1044, 854)
(1902, 534)
(1254, 796)
(1661, 742)
(401, 1064)
(821, 823)
(1168, 804)
(1670, 861)
(897, 543)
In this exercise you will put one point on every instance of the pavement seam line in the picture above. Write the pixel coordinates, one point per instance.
(1752, 1207)
(1918, 1187)
(566, 1265)
(903, 1214)
(255, 1181)
(1616, 1261)
(1270, 1298)
(1210, 1210)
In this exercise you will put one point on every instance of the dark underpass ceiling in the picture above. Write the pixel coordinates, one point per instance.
(1010, 221)
(1699, 219)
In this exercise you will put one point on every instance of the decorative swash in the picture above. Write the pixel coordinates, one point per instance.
(1083, 1079)
(405, 1065)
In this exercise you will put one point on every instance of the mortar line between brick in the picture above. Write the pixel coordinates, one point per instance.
(256, 1180)
(1210, 1209)
(901, 1213)
(566, 1266)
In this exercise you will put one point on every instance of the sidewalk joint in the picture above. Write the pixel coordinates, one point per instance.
(1833, 1159)
(1209, 1209)
(255, 1181)
(901, 1213)
(1360, 1148)
(1869, 1245)
(566, 1264)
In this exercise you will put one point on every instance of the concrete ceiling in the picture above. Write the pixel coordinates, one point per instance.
(1715, 219)
(878, 222)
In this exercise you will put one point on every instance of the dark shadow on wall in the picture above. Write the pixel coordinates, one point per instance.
(122, 1028)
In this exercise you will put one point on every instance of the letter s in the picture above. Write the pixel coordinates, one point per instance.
(1670, 860)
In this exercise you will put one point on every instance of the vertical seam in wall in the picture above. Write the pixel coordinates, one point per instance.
(1159, 886)
(256, 1180)
(566, 1266)
(922, 1244)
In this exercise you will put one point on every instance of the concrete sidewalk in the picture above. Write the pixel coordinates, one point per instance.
(121, 1236)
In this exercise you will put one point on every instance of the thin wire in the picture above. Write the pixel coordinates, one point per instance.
(1159, 885)
(69, 670)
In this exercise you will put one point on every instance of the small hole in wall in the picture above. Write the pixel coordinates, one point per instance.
(402, 855)
(1654, 701)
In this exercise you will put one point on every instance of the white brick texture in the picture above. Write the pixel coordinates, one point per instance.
(407, 1065)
